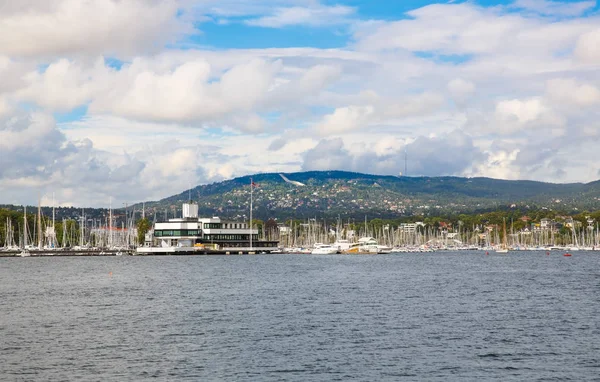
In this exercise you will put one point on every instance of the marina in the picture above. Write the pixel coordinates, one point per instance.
(190, 234)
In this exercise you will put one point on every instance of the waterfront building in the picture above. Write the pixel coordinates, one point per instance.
(408, 227)
(191, 233)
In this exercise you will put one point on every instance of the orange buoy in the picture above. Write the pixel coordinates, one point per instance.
(487, 253)
(567, 255)
(547, 253)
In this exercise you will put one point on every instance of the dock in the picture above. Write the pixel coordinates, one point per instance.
(133, 252)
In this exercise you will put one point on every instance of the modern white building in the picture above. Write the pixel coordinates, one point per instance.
(193, 234)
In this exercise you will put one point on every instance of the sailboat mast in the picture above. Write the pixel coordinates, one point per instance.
(82, 227)
(504, 233)
(39, 224)
(251, 189)
(110, 223)
(53, 211)
(54, 243)
(24, 227)
(64, 236)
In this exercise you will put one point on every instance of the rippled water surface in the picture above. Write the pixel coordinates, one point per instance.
(439, 316)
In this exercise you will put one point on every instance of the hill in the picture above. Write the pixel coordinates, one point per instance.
(329, 194)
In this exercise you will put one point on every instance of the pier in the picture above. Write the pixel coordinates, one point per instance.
(133, 252)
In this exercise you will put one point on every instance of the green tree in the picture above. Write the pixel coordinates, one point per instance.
(271, 230)
(143, 226)
(258, 224)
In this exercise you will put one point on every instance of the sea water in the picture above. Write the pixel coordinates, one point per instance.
(441, 316)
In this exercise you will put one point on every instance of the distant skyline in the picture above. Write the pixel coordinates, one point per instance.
(140, 99)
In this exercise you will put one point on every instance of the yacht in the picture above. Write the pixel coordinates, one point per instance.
(384, 249)
(364, 245)
(324, 249)
(342, 245)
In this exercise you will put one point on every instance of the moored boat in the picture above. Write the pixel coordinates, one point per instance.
(324, 249)
(365, 245)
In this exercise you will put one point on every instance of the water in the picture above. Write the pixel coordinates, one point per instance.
(434, 317)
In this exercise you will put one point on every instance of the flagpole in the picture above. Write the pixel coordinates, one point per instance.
(251, 189)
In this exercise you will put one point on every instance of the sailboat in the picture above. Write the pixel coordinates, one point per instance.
(24, 252)
(504, 248)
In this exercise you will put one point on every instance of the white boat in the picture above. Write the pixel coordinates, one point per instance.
(384, 249)
(364, 245)
(342, 245)
(504, 248)
(324, 249)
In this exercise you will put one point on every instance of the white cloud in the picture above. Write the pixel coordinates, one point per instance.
(411, 105)
(66, 27)
(241, 8)
(180, 89)
(555, 8)
(588, 47)
(522, 117)
(427, 155)
(467, 29)
(345, 119)
(501, 89)
(461, 90)
(499, 165)
(188, 92)
(4, 106)
(11, 74)
(38, 159)
(24, 133)
(312, 16)
(447, 28)
(64, 84)
(570, 92)
(379, 111)
(313, 80)
(520, 111)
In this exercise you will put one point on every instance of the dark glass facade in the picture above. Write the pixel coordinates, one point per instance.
(181, 232)
(229, 240)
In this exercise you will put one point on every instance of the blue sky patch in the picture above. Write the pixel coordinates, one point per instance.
(74, 115)
(236, 35)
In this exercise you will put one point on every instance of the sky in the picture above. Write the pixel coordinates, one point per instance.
(111, 102)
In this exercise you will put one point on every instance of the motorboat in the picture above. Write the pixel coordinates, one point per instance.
(342, 245)
(365, 245)
(384, 249)
(324, 249)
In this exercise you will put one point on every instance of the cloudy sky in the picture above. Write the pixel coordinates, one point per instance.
(140, 99)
